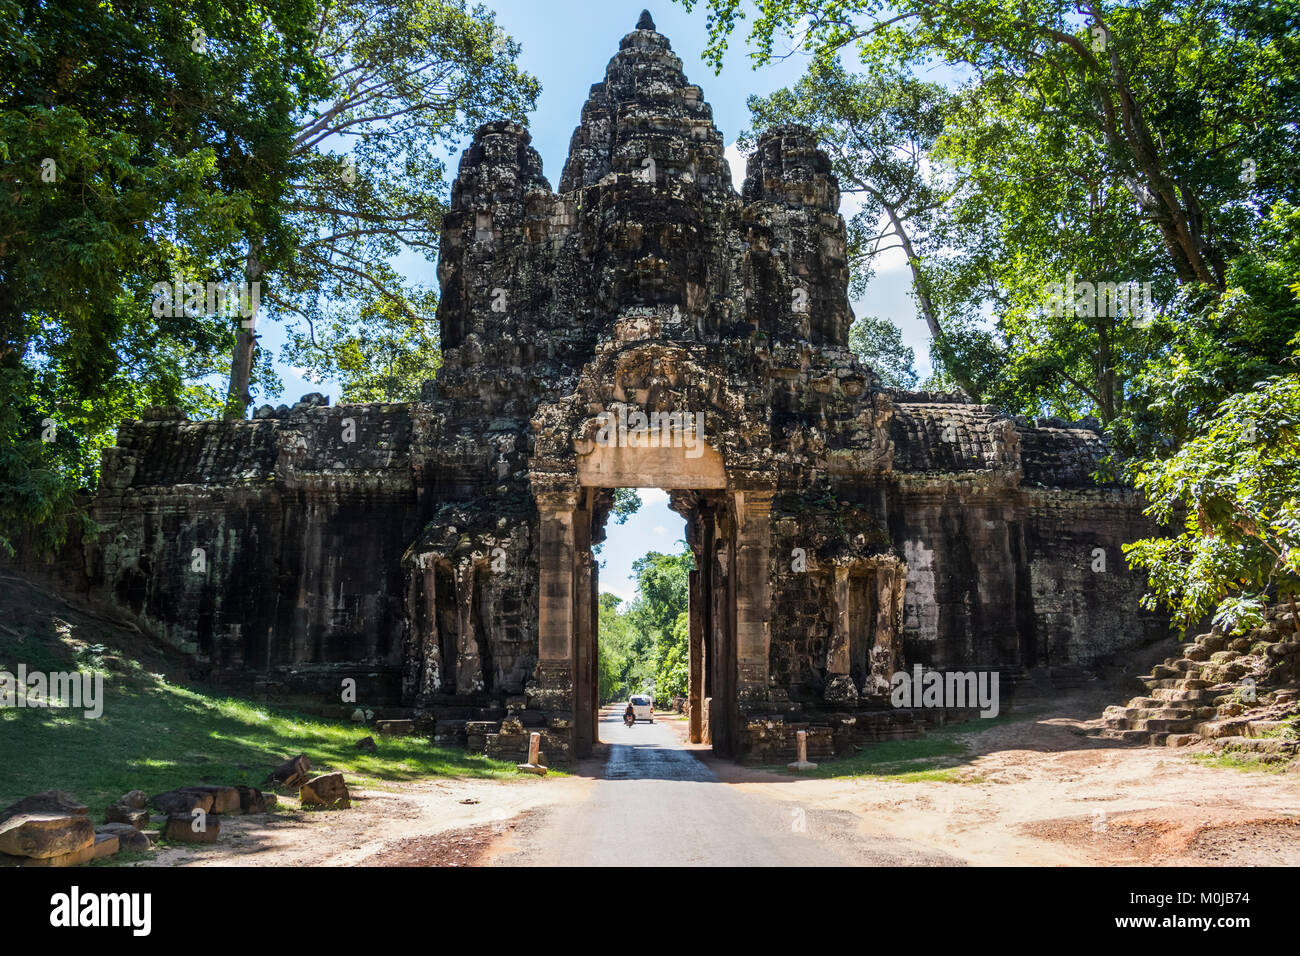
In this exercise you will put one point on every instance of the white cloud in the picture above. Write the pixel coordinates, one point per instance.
(660, 529)
(653, 496)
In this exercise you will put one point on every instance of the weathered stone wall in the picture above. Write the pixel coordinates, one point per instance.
(267, 546)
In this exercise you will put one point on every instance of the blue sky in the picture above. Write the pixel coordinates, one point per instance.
(653, 528)
(566, 45)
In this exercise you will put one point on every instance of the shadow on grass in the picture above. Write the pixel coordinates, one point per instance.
(155, 736)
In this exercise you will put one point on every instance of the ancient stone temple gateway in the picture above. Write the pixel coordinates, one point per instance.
(439, 552)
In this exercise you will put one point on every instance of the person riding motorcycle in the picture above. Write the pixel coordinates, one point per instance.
(629, 715)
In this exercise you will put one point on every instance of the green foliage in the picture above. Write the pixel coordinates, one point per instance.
(647, 644)
(878, 344)
(626, 503)
(663, 590)
(128, 156)
(622, 672)
(673, 670)
(1233, 494)
(200, 140)
(1118, 142)
(382, 354)
(1208, 348)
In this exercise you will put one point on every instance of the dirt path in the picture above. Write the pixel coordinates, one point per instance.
(1038, 793)
(436, 822)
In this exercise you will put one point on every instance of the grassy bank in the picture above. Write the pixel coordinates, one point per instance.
(157, 733)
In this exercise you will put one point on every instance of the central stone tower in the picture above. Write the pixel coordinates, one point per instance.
(648, 286)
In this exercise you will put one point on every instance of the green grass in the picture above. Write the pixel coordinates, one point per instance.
(940, 756)
(155, 735)
(906, 760)
(1239, 760)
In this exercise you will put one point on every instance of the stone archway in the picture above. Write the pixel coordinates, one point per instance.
(727, 532)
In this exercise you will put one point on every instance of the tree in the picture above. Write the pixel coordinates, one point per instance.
(1035, 211)
(616, 665)
(673, 668)
(662, 600)
(407, 79)
(382, 352)
(1113, 142)
(1235, 491)
(626, 503)
(878, 344)
(663, 590)
(137, 142)
(1182, 98)
(1207, 350)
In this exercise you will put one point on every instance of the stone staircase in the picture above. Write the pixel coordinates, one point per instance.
(1235, 693)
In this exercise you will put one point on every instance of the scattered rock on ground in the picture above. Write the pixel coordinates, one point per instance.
(291, 774)
(48, 801)
(128, 837)
(182, 801)
(118, 814)
(224, 799)
(44, 835)
(182, 828)
(328, 790)
(136, 800)
(252, 800)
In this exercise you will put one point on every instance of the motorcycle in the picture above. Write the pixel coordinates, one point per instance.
(629, 719)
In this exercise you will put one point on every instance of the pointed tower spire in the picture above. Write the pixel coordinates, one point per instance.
(645, 23)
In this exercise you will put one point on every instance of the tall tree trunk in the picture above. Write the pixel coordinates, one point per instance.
(238, 396)
(926, 304)
(1174, 211)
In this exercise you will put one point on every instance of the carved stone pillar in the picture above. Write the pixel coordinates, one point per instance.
(753, 594)
(695, 683)
(839, 684)
(886, 650)
(552, 686)
(720, 714)
(469, 667)
(423, 675)
(584, 637)
(431, 673)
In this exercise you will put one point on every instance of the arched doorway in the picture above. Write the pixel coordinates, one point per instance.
(727, 531)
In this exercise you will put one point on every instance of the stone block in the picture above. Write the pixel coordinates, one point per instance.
(119, 814)
(128, 837)
(44, 834)
(183, 828)
(329, 791)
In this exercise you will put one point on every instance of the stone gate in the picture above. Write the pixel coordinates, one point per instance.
(645, 325)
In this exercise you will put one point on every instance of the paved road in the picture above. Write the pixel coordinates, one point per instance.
(656, 804)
